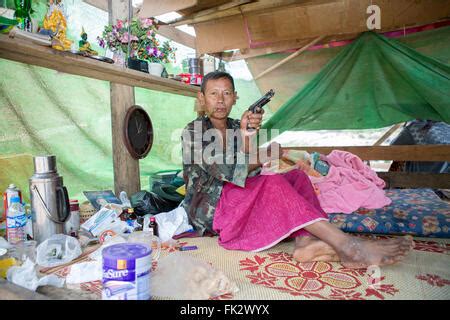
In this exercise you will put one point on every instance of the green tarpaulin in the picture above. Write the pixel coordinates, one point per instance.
(373, 82)
(43, 111)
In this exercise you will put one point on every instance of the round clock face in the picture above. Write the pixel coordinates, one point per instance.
(138, 132)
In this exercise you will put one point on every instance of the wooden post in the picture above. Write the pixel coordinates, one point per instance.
(126, 168)
(197, 107)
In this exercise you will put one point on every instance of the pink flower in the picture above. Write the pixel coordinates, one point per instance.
(127, 38)
(146, 22)
(119, 24)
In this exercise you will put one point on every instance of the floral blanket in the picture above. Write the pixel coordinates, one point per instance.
(418, 212)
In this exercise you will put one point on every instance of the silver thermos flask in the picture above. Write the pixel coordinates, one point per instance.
(50, 206)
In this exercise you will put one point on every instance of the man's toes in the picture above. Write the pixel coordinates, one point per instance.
(409, 237)
(390, 247)
(397, 259)
(408, 240)
(395, 240)
(335, 257)
(392, 259)
(405, 242)
(401, 253)
(386, 260)
(406, 248)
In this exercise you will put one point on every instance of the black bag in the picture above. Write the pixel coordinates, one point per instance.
(168, 192)
(144, 202)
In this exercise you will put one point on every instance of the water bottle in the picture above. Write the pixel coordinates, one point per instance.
(16, 221)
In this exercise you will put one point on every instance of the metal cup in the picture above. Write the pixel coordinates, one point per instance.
(44, 164)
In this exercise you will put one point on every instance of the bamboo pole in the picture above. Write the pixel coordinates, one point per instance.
(388, 134)
(292, 56)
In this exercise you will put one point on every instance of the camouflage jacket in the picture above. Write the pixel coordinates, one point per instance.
(205, 174)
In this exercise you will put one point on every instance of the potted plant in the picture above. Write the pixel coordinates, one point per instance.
(146, 52)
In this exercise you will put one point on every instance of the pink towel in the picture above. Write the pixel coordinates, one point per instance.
(268, 210)
(349, 185)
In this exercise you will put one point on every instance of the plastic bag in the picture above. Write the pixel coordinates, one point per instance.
(4, 244)
(145, 202)
(196, 280)
(85, 272)
(26, 276)
(97, 254)
(124, 198)
(171, 223)
(57, 250)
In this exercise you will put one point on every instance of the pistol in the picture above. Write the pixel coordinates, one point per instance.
(262, 101)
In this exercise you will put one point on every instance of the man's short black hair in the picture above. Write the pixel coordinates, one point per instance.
(214, 76)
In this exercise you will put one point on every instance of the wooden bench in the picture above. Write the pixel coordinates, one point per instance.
(398, 153)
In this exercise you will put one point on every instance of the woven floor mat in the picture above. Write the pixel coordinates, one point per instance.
(273, 274)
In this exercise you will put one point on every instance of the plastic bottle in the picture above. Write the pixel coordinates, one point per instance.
(16, 221)
(151, 232)
(12, 191)
(131, 214)
(153, 226)
(72, 225)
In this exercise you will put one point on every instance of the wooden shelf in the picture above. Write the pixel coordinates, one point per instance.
(26, 52)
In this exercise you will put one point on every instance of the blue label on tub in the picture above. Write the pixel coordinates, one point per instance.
(126, 272)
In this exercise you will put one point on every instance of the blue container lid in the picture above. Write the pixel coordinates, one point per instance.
(124, 251)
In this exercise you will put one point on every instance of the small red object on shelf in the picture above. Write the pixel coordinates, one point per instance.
(191, 78)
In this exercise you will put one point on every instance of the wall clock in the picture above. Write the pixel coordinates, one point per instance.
(138, 132)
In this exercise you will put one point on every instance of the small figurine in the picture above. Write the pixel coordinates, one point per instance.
(84, 45)
(55, 25)
(164, 73)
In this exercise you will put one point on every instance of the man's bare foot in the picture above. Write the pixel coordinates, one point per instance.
(358, 253)
(308, 249)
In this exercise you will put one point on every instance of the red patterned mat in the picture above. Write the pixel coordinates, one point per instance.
(274, 274)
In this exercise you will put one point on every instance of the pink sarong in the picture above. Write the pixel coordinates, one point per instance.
(268, 210)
